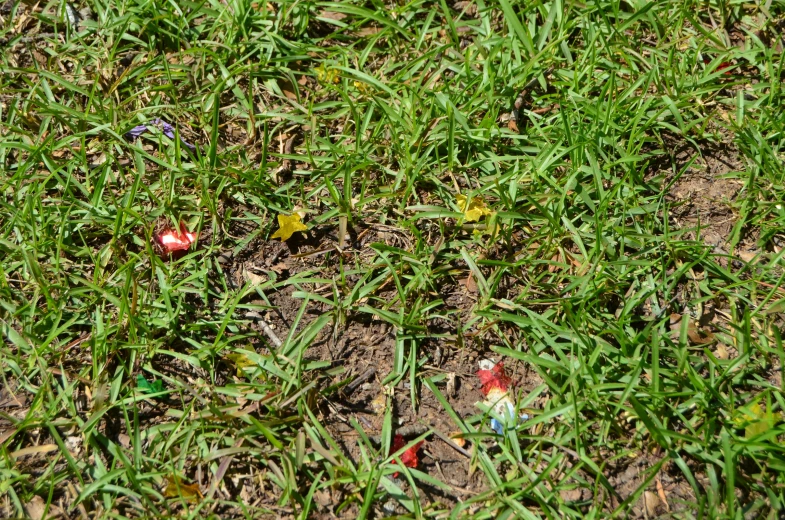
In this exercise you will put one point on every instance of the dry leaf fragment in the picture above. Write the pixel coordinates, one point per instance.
(35, 508)
(651, 503)
(322, 498)
(696, 335)
(175, 487)
(721, 351)
(34, 450)
(662, 495)
(699, 336)
(571, 495)
(253, 278)
(279, 268)
(329, 15)
(470, 283)
(451, 384)
(457, 438)
(288, 225)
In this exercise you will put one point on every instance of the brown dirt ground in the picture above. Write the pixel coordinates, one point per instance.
(702, 197)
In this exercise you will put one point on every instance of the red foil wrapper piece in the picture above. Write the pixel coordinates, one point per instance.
(408, 457)
(495, 378)
(172, 241)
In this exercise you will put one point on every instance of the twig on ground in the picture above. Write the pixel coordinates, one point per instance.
(351, 387)
(265, 328)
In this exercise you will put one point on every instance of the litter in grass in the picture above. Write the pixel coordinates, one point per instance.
(495, 386)
(149, 387)
(73, 16)
(166, 129)
(409, 457)
(457, 438)
(171, 241)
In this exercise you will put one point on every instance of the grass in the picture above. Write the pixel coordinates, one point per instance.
(637, 191)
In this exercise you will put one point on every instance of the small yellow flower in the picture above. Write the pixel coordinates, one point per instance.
(474, 210)
(362, 88)
(326, 75)
(288, 225)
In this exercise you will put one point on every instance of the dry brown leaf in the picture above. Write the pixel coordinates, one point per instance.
(662, 495)
(332, 16)
(721, 351)
(34, 450)
(368, 31)
(287, 88)
(451, 384)
(571, 495)
(279, 268)
(696, 335)
(125, 440)
(253, 278)
(6, 434)
(322, 498)
(650, 503)
(35, 508)
(470, 283)
(457, 438)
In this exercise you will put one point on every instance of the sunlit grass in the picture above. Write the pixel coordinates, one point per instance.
(373, 120)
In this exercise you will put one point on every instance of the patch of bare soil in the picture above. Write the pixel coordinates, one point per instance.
(365, 347)
(702, 197)
(667, 493)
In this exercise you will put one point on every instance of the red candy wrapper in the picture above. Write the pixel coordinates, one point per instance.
(171, 241)
(494, 379)
(495, 385)
(408, 457)
(722, 66)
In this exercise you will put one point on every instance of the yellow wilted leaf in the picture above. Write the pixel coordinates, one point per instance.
(474, 210)
(177, 488)
(240, 361)
(289, 225)
(755, 421)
